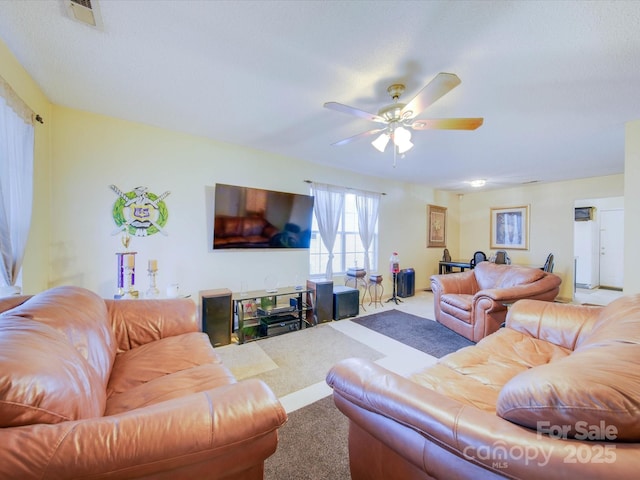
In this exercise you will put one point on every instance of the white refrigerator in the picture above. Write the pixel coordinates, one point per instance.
(586, 236)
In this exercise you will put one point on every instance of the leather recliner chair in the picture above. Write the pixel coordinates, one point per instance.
(474, 303)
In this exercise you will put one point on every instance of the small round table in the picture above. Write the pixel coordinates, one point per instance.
(376, 290)
(357, 282)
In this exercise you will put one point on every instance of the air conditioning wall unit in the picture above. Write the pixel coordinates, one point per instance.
(584, 214)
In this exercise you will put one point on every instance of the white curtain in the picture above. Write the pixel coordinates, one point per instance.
(367, 204)
(327, 207)
(16, 185)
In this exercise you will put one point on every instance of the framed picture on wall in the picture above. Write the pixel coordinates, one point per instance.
(510, 228)
(436, 226)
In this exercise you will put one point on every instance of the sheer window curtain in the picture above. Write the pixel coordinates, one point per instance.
(16, 185)
(327, 207)
(367, 204)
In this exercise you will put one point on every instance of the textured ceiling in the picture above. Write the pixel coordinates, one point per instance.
(554, 81)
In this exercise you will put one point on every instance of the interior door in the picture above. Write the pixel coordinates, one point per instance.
(611, 248)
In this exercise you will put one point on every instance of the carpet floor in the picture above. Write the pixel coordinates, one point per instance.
(293, 361)
(313, 444)
(425, 335)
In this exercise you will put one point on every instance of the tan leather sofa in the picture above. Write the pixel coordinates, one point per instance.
(474, 303)
(553, 395)
(94, 388)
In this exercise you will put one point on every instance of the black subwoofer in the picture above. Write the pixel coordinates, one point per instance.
(321, 297)
(346, 302)
(216, 315)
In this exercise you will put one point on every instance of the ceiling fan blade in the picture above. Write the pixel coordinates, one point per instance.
(339, 107)
(368, 133)
(448, 124)
(436, 88)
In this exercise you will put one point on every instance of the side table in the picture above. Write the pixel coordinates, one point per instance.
(376, 290)
(357, 280)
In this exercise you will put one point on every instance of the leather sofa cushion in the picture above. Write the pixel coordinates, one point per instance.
(168, 355)
(457, 305)
(474, 375)
(81, 321)
(606, 360)
(170, 386)
(460, 301)
(489, 275)
(82, 317)
(43, 379)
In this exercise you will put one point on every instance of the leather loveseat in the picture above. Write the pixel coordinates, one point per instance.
(553, 395)
(474, 303)
(94, 388)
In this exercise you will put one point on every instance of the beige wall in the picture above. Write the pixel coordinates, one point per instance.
(551, 220)
(632, 208)
(90, 152)
(37, 258)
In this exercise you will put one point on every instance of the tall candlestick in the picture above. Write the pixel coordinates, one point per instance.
(153, 265)
(131, 261)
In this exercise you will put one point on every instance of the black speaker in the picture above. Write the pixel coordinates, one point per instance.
(346, 302)
(216, 315)
(406, 283)
(321, 297)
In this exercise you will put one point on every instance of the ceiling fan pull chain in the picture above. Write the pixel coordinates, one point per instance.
(395, 150)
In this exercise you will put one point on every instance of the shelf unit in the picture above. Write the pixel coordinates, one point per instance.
(260, 314)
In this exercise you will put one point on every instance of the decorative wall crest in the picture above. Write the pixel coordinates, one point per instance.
(139, 212)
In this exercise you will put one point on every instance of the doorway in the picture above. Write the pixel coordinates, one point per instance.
(611, 249)
(599, 244)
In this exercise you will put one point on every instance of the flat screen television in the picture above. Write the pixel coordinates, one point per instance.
(255, 218)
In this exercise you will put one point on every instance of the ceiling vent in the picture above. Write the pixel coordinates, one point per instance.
(85, 11)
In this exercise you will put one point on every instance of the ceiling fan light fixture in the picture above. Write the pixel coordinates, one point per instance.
(381, 142)
(402, 139)
(405, 147)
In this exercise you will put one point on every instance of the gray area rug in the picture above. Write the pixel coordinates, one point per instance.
(420, 333)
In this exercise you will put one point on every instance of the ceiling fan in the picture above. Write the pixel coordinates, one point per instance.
(398, 118)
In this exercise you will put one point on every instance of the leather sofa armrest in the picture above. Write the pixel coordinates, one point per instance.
(459, 282)
(137, 322)
(559, 323)
(7, 303)
(234, 425)
(414, 421)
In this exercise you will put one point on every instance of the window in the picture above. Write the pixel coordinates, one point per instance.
(348, 250)
(16, 185)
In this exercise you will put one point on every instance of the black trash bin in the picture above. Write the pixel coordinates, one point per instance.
(406, 283)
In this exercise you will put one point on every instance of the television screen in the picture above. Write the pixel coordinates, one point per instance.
(255, 218)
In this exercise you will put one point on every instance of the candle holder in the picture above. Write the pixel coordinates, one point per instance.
(153, 291)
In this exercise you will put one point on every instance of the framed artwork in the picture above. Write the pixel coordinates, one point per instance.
(436, 226)
(510, 228)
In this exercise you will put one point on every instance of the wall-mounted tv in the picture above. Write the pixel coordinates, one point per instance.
(254, 218)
